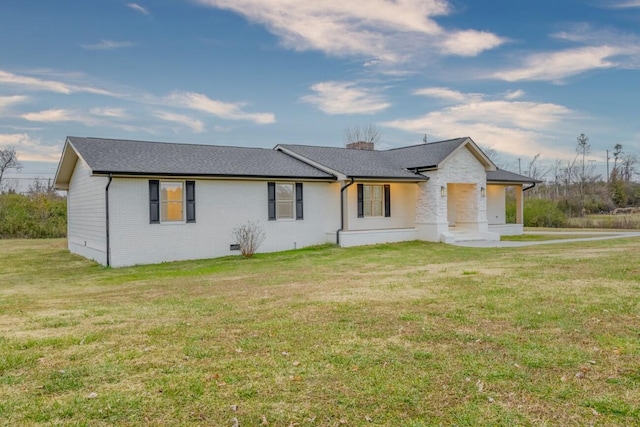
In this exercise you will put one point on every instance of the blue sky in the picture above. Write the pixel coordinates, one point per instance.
(519, 77)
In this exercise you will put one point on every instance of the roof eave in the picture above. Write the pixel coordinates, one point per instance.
(477, 153)
(65, 167)
(210, 175)
(389, 178)
(513, 181)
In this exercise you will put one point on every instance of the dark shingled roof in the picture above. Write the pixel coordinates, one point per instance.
(157, 158)
(396, 163)
(423, 155)
(354, 163)
(501, 175)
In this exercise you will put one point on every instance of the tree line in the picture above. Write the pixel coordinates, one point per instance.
(38, 213)
(577, 189)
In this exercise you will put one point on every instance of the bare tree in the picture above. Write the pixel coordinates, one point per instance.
(41, 186)
(356, 133)
(8, 160)
(628, 165)
(249, 236)
(583, 148)
(537, 171)
(617, 154)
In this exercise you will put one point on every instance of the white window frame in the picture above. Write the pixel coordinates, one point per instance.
(368, 200)
(285, 202)
(164, 202)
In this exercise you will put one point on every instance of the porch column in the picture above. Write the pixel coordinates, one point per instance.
(345, 206)
(519, 205)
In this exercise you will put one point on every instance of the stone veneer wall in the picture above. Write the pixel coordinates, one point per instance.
(462, 167)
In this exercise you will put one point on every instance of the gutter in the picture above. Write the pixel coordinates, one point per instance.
(529, 187)
(344, 187)
(106, 203)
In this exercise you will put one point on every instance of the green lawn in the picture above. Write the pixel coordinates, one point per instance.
(544, 237)
(412, 334)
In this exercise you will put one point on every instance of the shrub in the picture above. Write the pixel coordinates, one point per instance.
(34, 216)
(543, 213)
(249, 236)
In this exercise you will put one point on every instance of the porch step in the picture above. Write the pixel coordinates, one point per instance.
(453, 236)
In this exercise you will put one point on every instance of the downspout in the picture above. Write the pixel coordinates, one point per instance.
(344, 187)
(533, 184)
(106, 202)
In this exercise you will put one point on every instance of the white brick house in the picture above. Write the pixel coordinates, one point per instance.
(136, 202)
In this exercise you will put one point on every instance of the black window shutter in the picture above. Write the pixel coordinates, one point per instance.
(191, 201)
(271, 194)
(360, 201)
(387, 200)
(299, 211)
(154, 201)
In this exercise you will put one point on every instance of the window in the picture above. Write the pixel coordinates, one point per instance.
(285, 200)
(374, 200)
(169, 203)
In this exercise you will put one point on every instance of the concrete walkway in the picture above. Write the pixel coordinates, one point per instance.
(601, 235)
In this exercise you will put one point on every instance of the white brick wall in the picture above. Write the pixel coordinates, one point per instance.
(403, 201)
(461, 167)
(86, 225)
(220, 206)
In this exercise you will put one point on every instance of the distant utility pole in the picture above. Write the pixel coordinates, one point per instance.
(519, 167)
(607, 165)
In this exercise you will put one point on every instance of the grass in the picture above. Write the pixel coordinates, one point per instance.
(411, 334)
(607, 221)
(545, 237)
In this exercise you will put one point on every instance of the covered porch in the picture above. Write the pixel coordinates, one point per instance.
(500, 186)
(497, 209)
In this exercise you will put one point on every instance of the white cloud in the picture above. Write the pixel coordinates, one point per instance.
(517, 128)
(53, 115)
(628, 4)
(554, 66)
(441, 93)
(106, 45)
(36, 84)
(109, 117)
(470, 42)
(30, 149)
(6, 101)
(111, 112)
(33, 83)
(515, 94)
(389, 31)
(138, 8)
(345, 98)
(225, 110)
(194, 124)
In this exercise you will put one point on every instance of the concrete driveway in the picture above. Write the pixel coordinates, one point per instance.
(601, 235)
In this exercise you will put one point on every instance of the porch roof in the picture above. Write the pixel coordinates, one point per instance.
(501, 175)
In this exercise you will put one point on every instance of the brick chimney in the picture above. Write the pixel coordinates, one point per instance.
(361, 145)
